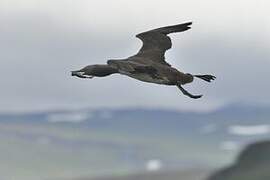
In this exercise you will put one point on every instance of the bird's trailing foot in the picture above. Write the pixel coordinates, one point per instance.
(185, 92)
(207, 77)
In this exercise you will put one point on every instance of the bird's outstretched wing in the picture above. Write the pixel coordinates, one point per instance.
(156, 42)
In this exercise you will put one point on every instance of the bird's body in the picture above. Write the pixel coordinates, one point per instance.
(149, 63)
(150, 72)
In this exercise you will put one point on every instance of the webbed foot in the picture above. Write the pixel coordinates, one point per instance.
(207, 77)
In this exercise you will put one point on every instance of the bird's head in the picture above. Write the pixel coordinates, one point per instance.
(94, 70)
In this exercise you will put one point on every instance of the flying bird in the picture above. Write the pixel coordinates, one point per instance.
(149, 63)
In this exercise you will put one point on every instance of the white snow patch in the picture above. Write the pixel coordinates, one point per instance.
(250, 130)
(153, 165)
(74, 117)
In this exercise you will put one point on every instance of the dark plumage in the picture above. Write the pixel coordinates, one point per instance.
(149, 63)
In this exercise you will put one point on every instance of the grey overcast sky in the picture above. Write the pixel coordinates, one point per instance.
(42, 40)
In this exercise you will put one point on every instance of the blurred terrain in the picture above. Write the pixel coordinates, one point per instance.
(117, 142)
(197, 174)
(252, 164)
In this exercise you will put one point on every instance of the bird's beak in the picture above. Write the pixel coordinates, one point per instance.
(77, 73)
(80, 74)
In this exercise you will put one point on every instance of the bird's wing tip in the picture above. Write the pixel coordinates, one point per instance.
(188, 24)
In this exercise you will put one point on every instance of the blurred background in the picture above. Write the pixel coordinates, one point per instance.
(54, 126)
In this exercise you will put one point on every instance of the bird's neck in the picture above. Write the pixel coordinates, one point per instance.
(102, 70)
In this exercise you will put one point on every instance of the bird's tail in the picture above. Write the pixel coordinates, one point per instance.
(206, 77)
